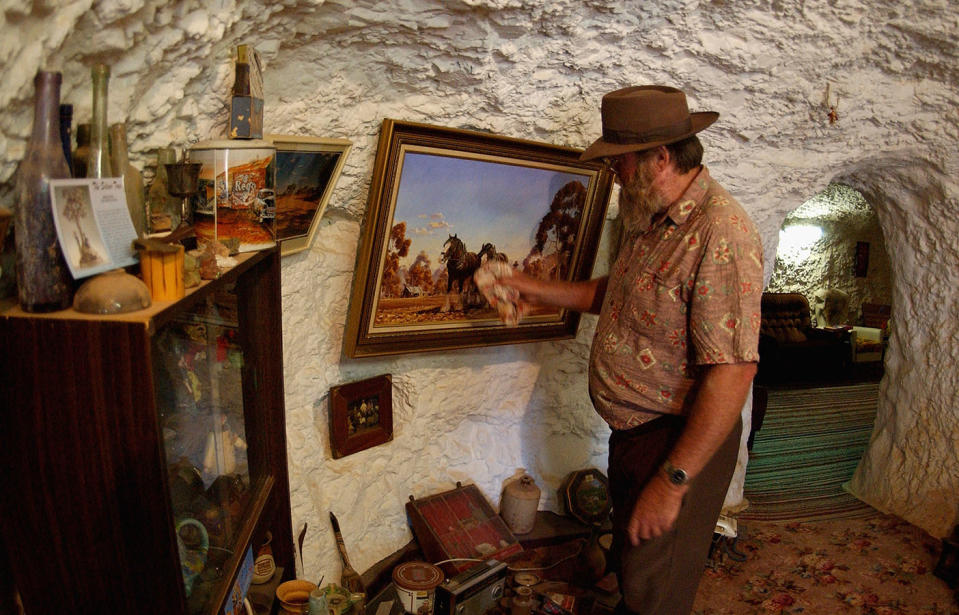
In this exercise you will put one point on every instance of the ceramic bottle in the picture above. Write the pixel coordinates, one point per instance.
(519, 504)
(98, 160)
(132, 180)
(44, 283)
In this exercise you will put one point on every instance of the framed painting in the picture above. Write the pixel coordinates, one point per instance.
(306, 172)
(442, 201)
(361, 415)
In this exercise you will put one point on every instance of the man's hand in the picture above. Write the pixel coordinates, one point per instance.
(586, 296)
(656, 510)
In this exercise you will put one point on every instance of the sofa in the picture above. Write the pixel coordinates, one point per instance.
(792, 350)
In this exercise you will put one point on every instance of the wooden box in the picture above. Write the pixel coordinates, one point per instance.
(460, 523)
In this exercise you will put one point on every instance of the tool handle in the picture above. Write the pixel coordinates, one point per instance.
(339, 538)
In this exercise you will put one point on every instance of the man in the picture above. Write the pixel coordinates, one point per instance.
(675, 348)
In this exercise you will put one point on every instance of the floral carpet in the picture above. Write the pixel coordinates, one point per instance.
(869, 566)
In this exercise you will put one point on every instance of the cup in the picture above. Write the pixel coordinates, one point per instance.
(318, 604)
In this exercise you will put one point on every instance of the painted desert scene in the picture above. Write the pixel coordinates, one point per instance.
(302, 179)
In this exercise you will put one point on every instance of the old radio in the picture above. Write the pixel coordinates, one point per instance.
(473, 591)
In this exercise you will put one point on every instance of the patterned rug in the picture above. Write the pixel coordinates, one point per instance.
(809, 445)
(867, 566)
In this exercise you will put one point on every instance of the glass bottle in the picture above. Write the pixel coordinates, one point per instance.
(132, 179)
(164, 208)
(98, 162)
(44, 283)
(66, 131)
(82, 153)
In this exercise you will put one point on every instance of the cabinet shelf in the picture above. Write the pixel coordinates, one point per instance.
(131, 444)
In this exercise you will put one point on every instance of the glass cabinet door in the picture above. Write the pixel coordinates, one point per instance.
(198, 371)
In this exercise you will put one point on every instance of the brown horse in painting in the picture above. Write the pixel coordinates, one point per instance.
(460, 264)
(489, 251)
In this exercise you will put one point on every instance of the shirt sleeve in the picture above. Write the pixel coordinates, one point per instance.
(724, 313)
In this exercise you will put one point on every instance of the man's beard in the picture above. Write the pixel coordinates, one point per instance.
(638, 200)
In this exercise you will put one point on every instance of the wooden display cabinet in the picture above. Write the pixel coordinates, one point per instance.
(127, 442)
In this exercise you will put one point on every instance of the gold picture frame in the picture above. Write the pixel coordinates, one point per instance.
(440, 196)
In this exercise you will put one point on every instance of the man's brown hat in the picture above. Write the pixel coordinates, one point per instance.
(642, 117)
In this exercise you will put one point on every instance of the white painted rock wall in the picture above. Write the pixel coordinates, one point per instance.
(536, 70)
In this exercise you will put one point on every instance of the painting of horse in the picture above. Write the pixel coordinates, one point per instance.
(444, 202)
(460, 264)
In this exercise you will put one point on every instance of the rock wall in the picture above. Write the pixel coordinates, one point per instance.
(537, 71)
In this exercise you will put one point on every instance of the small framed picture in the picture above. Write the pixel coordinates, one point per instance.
(306, 172)
(361, 415)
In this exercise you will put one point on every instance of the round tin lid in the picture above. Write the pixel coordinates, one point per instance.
(525, 579)
(417, 576)
(233, 144)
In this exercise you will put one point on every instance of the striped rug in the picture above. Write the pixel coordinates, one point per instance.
(810, 443)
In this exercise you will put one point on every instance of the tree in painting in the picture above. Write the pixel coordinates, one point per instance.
(398, 246)
(556, 233)
(420, 275)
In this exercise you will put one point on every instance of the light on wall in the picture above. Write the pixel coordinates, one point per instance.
(796, 241)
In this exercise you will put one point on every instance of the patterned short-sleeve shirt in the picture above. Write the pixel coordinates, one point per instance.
(683, 293)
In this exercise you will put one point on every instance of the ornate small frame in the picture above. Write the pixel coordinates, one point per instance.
(361, 415)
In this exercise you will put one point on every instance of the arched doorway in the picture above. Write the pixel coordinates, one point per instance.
(831, 251)
(819, 404)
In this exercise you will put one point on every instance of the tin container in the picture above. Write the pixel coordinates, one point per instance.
(415, 584)
(236, 201)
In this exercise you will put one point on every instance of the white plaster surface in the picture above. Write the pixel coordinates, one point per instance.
(536, 70)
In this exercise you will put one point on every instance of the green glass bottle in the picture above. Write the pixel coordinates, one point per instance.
(98, 160)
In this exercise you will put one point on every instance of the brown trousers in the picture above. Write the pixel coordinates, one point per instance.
(660, 576)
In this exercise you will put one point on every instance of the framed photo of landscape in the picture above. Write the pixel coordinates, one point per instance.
(444, 200)
(306, 172)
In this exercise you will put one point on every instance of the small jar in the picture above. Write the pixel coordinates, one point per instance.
(522, 601)
(415, 584)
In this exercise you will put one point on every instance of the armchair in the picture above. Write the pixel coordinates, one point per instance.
(791, 349)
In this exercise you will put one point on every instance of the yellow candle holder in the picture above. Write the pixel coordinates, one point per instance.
(161, 265)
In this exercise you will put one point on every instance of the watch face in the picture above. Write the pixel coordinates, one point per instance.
(676, 476)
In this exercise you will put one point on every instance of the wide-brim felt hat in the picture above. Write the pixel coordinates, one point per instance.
(642, 117)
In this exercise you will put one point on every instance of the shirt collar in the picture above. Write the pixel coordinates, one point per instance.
(693, 197)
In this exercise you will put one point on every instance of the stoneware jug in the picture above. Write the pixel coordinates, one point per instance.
(519, 504)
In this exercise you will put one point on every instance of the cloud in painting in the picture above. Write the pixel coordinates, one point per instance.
(436, 222)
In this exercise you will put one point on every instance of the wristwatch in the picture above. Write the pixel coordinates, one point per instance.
(676, 476)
